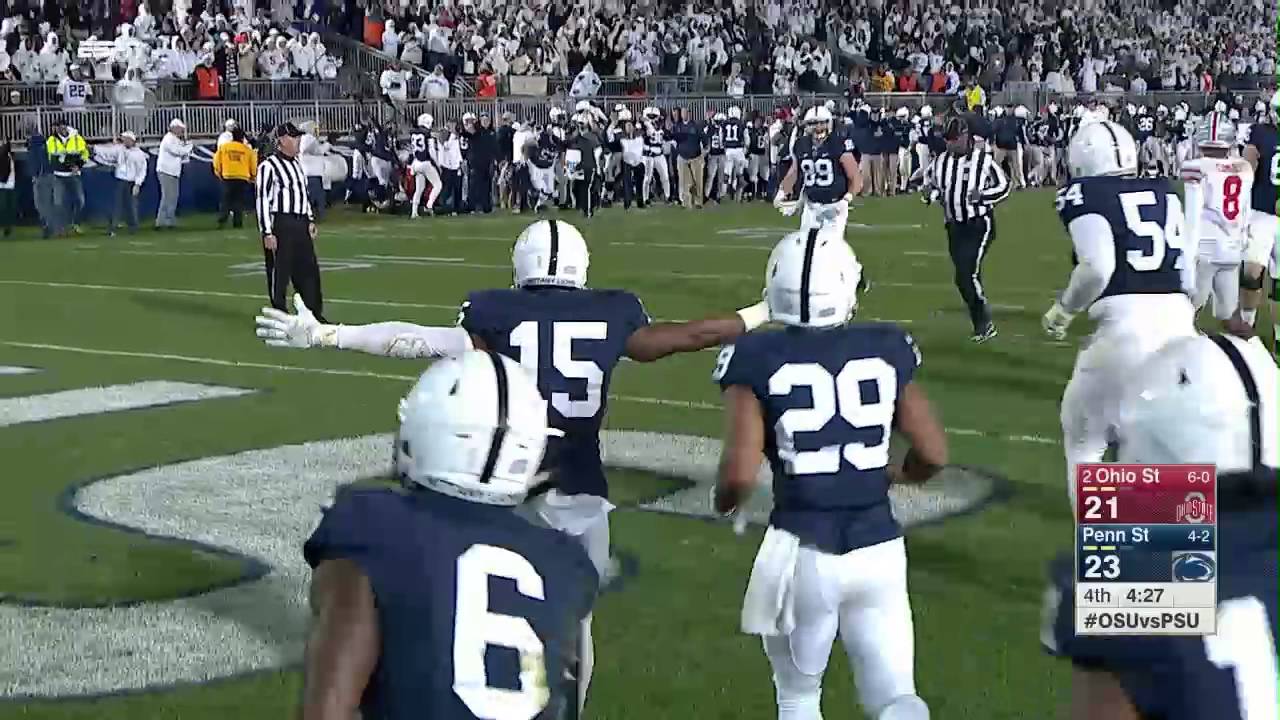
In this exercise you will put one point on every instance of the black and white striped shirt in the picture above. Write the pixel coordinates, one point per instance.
(954, 178)
(282, 188)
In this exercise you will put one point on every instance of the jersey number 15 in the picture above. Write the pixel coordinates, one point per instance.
(563, 334)
(840, 394)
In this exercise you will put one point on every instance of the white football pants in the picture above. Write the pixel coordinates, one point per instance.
(860, 596)
(655, 166)
(543, 181)
(904, 169)
(735, 167)
(380, 170)
(1221, 282)
(423, 173)
(757, 172)
(834, 214)
(1131, 328)
(922, 162)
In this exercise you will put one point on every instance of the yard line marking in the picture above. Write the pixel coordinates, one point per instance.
(141, 243)
(112, 398)
(681, 246)
(217, 293)
(411, 257)
(925, 253)
(200, 360)
(17, 370)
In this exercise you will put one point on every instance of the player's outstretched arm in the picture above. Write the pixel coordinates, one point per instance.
(658, 340)
(914, 418)
(1099, 696)
(743, 448)
(343, 645)
(388, 339)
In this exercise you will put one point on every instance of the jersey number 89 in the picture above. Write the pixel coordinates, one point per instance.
(818, 173)
(831, 395)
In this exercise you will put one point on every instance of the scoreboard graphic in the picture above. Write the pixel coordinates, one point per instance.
(1146, 549)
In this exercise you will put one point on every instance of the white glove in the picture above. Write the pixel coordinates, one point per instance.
(1056, 321)
(755, 315)
(785, 206)
(280, 329)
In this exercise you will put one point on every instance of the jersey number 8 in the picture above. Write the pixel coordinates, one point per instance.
(1275, 168)
(817, 173)
(831, 395)
(476, 627)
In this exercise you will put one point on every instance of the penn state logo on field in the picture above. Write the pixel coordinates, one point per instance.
(268, 501)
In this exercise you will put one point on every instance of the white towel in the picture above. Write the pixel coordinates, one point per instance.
(572, 514)
(769, 605)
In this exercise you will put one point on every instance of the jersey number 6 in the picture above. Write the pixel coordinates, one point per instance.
(831, 395)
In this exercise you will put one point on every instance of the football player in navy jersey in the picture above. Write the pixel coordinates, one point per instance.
(1260, 150)
(423, 149)
(826, 165)
(1197, 400)
(819, 400)
(735, 154)
(404, 604)
(1132, 273)
(571, 336)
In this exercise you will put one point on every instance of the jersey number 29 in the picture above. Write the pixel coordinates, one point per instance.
(831, 395)
(563, 334)
(475, 627)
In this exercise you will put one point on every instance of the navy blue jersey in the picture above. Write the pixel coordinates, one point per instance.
(821, 175)
(1144, 127)
(901, 130)
(829, 481)
(1194, 678)
(925, 128)
(758, 143)
(1145, 264)
(1267, 178)
(735, 134)
(381, 147)
(464, 144)
(422, 552)
(572, 339)
(1007, 132)
(1039, 133)
(420, 145)
(654, 142)
(548, 150)
(715, 139)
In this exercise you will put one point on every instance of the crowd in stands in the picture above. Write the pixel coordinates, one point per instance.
(758, 47)
(215, 49)
(784, 46)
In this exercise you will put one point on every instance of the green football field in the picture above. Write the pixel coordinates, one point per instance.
(165, 323)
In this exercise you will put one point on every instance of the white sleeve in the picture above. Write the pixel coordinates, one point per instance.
(1095, 261)
(1193, 197)
(404, 340)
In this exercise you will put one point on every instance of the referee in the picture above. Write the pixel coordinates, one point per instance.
(968, 182)
(288, 226)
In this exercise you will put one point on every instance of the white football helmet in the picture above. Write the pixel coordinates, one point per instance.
(1179, 115)
(550, 252)
(1189, 404)
(1233, 115)
(624, 115)
(812, 279)
(425, 121)
(735, 112)
(1275, 107)
(1102, 148)
(818, 121)
(1220, 106)
(1162, 111)
(473, 427)
(472, 116)
(1021, 112)
(926, 112)
(652, 113)
(997, 111)
(1216, 131)
(902, 113)
(718, 117)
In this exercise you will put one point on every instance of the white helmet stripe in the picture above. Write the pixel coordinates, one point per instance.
(554, 259)
(806, 269)
(1251, 392)
(499, 428)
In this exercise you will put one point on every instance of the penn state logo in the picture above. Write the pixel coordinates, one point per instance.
(1194, 567)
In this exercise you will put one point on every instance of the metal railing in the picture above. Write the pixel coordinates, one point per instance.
(165, 91)
(205, 119)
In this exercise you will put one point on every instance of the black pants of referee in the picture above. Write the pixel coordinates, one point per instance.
(294, 261)
(969, 242)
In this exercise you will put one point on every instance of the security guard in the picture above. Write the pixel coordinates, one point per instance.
(67, 154)
(288, 225)
(236, 165)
